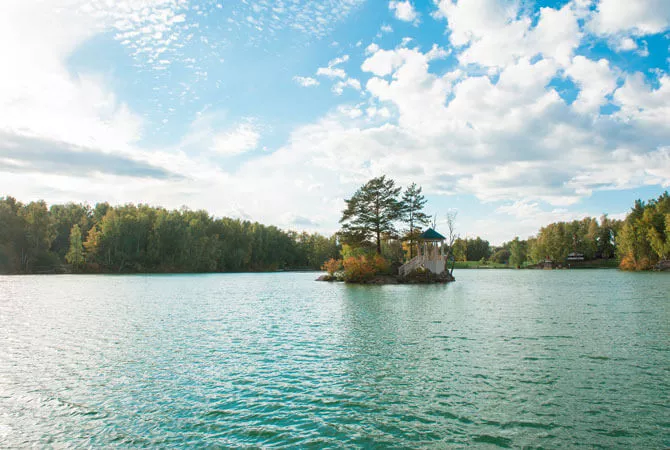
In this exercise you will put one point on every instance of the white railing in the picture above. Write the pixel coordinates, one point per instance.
(434, 263)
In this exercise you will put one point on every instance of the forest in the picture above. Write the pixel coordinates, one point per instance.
(72, 237)
(35, 238)
(638, 242)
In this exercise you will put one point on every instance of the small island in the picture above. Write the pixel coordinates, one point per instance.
(373, 249)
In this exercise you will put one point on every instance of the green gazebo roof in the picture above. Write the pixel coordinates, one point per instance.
(431, 235)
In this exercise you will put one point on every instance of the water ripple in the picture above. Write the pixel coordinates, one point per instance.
(499, 359)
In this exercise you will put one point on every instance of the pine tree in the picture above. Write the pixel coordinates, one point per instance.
(413, 215)
(371, 212)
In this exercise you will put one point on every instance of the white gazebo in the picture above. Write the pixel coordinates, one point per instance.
(430, 254)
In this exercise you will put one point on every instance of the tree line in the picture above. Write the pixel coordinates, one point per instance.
(378, 219)
(638, 242)
(35, 238)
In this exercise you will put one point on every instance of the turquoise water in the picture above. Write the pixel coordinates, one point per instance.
(499, 358)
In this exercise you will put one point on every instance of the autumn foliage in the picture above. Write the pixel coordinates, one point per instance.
(358, 269)
(332, 265)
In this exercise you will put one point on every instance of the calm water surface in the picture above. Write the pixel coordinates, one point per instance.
(499, 358)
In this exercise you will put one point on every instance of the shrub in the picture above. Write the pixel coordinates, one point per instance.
(381, 264)
(332, 265)
(627, 263)
(643, 264)
(358, 269)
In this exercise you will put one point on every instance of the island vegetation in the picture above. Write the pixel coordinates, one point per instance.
(380, 228)
(380, 231)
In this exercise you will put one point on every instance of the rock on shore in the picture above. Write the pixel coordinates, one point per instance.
(413, 278)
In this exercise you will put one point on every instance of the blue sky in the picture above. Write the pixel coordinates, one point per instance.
(511, 113)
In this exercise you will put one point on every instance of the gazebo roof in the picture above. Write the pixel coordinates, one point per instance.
(431, 235)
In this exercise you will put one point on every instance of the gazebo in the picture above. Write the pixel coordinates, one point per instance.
(431, 241)
(429, 257)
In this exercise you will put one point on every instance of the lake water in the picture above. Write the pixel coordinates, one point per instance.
(499, 358)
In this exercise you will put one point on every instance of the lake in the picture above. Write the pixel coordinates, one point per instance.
(500, 358)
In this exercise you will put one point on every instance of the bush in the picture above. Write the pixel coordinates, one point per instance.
(381, 265)
(332, 265)
(643, 264)
(627, 263)
(358, 269)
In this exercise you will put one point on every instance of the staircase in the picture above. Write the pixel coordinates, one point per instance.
(411, 265)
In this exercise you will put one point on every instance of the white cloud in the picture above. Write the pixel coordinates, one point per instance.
(403, 10)
(626, 44)
(264, 20)
(306, 81)
(596, 80)
(500, 133)
(241, 139)
(332, 71)
(640, 17)
(372, 48)
(643, 105)
(338, 88)
(40, 97)
(498, 33)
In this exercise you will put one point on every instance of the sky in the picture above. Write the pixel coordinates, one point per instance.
(510, 113)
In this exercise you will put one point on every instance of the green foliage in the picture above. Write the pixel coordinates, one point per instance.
(460, 250)
(348, 251)
(26, 234)
(471, 249)
(518, 252)
(557, 240)
(315, 248)
(75, 254)
(141, 238)
(478, 249)
(371, 212)
(393, 251)
(64, 217)
(644, 238)
(413, 203)
(501, 256)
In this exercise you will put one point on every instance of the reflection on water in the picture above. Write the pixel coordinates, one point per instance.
(504, 358)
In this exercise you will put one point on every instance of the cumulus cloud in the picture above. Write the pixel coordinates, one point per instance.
(496, 33)
(639, 17)
(404, 10)
(595, 79)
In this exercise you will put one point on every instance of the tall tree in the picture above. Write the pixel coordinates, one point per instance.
(371, 212)
(413, 215)
(517, 252)
(75, 255)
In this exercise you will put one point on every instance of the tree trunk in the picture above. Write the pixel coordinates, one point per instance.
(379, 243)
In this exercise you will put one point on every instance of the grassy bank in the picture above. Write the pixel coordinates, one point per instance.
(595, 264)
(480, 265)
